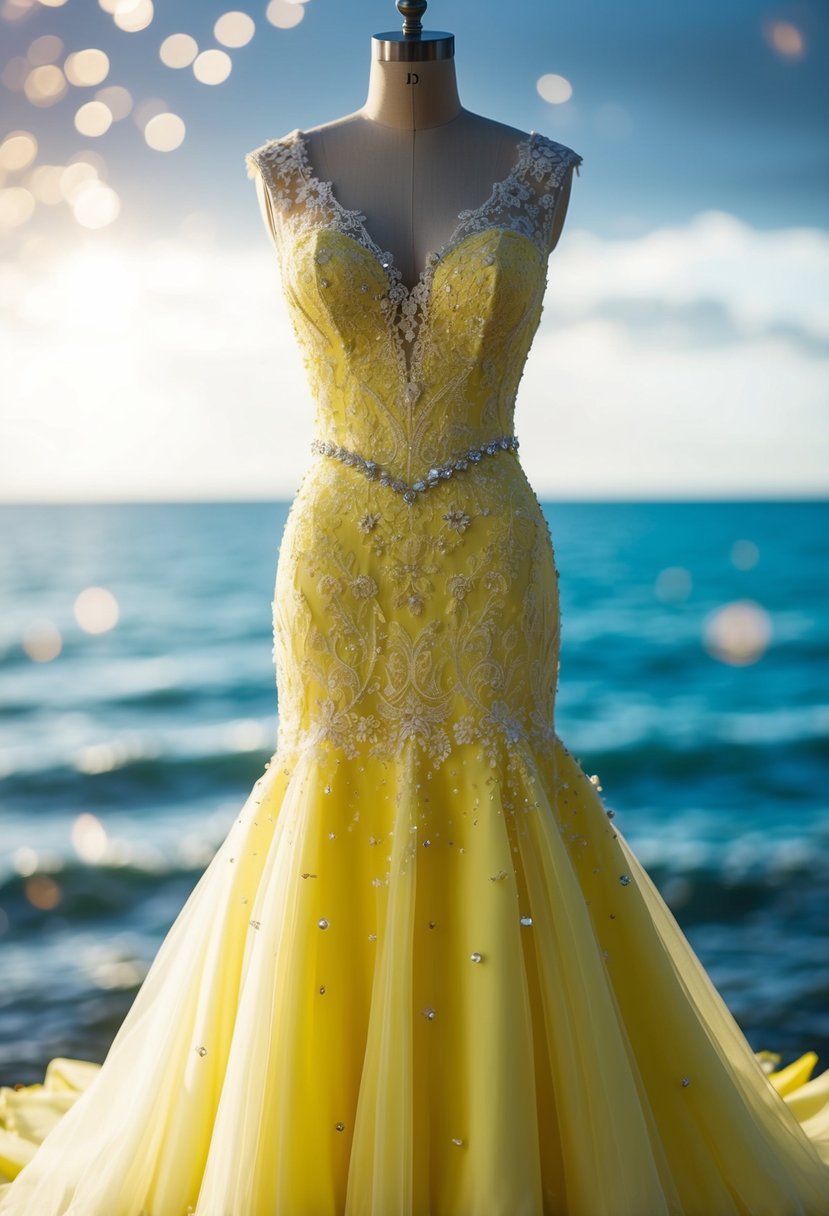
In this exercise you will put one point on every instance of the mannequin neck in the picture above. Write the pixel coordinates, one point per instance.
(410, 96)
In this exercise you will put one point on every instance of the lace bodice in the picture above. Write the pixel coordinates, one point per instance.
(410, 376)
(416, 601)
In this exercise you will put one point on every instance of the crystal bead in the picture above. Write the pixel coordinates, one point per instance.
(686, 1081)
(437, 473)
(201, 1051)
(340, 1127)
(322, 922)
(624, 879)
(526, 920)
(429, 1014)
(476, 957)
(457, 1141)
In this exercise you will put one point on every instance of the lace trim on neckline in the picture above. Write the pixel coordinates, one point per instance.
(354, 218)
(407, 308)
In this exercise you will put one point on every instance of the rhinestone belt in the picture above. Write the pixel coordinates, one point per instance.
(436, 474)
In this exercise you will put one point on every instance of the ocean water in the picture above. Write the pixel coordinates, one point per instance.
(693, 681)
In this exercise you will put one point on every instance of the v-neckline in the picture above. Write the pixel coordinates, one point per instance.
(357, 219)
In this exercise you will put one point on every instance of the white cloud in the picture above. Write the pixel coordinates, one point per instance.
(686, 361)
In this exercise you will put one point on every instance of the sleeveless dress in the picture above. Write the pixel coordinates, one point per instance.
(424, 974)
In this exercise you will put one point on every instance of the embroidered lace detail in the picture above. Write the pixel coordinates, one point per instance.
(432, 477)
(435, 628)
(524, 202)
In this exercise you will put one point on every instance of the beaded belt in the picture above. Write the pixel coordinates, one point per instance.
(436, 474)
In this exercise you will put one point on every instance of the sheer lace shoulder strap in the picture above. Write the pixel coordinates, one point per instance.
(279, 165)
(528, 199)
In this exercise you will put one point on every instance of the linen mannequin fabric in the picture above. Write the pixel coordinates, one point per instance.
(424, 974)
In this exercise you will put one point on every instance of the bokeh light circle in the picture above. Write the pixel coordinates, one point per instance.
(165, 132)
(553, 88)
(283, 14)
(44, 183)
(234, 29)
(744, 554)
(212, 67)
(95, 205)
(45, 49)
(785, 39)
(86, 68)
(74, 177)
(96, 608)
(738, 633)
(117, 99)
(15, 73)
(42, 641)
(45, 85)
(89, 838)
(134, 17)
(178, 51)
(18, 150)
(16, 206)
(93, 119)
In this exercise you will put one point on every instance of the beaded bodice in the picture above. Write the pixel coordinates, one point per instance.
(412, 376)
(416, 601)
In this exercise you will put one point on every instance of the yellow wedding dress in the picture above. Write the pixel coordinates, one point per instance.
(424, 975)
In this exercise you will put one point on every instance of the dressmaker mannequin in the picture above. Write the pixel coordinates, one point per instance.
(413, 158)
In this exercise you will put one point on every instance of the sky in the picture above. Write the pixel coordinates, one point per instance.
(145, 351)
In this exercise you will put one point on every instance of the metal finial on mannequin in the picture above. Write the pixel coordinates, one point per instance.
(412, 13)
(414, 44)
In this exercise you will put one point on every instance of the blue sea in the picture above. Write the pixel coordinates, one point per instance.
(693, 681)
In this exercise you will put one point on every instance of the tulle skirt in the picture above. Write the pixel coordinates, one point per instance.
(399, 991)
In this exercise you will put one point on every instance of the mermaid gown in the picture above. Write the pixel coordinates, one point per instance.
(424, 974)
